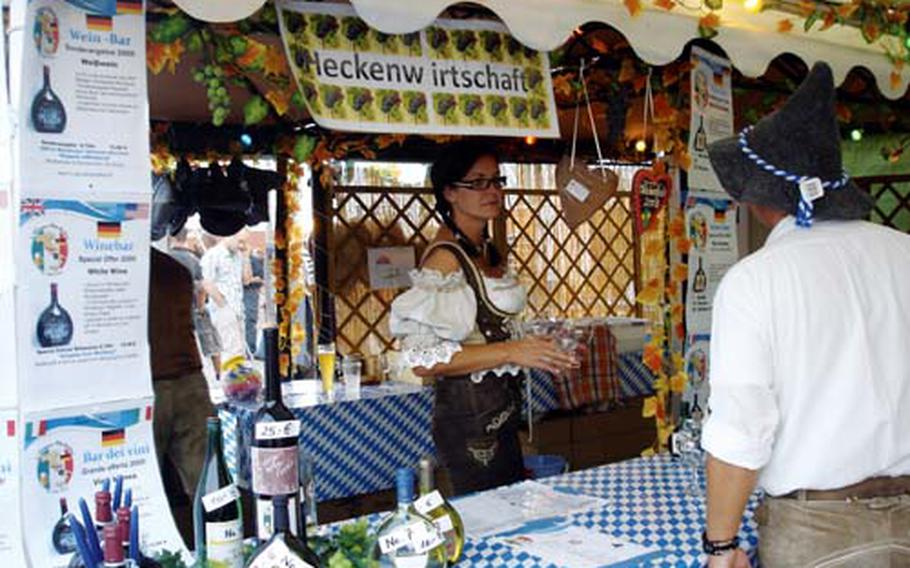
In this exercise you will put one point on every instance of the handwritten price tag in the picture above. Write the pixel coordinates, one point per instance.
(218, 499)
(428, 502)
(444, 524)
(277, 430)
(415, 535)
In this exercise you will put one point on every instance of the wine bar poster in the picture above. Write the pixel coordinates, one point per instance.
(712, 118)
(711, 227)
(82, 311)
(67, 456)
(83, 105)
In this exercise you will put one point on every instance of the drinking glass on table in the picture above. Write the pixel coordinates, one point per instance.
(687, 445)
(325, 353)
(351, 368)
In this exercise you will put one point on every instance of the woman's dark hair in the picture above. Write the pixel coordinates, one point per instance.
(454, 162)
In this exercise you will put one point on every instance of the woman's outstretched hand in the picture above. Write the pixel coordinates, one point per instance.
(540, 353)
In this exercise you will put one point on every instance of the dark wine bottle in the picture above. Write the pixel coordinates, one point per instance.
(283, 548)
(62, 537)
(701, 137)
(104, 516)
(55, 327)
(217, 516)
(48, 114)
(113, 547)
(274, 460)
(123, 523)
(701, 279)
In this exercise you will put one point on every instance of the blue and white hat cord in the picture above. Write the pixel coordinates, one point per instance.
(805, 207)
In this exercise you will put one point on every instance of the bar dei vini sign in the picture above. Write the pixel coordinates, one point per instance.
(453, 77)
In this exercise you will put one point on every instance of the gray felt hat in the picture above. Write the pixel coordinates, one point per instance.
(800, 139)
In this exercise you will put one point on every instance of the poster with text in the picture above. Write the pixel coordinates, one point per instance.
(12, 548)
(82, 308)
(453, 77)
(389, 267)
(712, 117)
(69, 453)
(711, 227)
(83, 123)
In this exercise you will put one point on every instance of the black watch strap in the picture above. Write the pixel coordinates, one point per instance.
(718, 547)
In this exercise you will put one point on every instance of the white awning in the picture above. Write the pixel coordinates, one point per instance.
(657, 36)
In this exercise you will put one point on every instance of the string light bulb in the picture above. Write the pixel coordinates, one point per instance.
(641, 146)
(856, 134)
(530, 140)
(754, 6)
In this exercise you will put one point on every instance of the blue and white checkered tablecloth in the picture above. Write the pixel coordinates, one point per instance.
(646, 503)
(635, 380)
(356, 445)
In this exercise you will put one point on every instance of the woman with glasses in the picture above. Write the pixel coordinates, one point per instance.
(456, 324)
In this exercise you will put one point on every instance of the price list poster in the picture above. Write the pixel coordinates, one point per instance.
(82, 265)
(711, 118)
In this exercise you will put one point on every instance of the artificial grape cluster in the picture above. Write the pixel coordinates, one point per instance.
(212, 77)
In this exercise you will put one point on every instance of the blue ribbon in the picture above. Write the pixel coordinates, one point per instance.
(804, 210)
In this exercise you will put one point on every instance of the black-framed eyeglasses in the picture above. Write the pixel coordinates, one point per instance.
(480, 184)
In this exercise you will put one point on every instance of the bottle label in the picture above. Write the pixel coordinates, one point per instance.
(218, 499)
(224, 544)
(277, 430)
(264, 517)
(416, 561)
(277, 553)
(429, 502)
(275, 471)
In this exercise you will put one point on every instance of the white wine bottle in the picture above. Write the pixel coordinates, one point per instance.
(407, 539)
(432, 504)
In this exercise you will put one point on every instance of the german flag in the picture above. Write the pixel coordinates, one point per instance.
(720, 215)
(129, 6)
(111, 438)
(108, 230)
(99, 23)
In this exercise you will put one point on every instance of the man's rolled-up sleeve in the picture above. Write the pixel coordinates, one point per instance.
(742, 408)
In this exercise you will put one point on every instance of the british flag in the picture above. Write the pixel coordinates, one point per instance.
(31, 208)
(136, 211)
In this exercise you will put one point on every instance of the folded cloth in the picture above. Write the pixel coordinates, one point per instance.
(597, 380)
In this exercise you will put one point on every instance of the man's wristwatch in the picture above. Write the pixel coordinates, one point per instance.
(718, 547)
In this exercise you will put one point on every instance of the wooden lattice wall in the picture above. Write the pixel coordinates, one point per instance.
(891, 195)
(588, 272)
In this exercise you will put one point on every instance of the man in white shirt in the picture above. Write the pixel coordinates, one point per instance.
(222, 265)
(810, 355)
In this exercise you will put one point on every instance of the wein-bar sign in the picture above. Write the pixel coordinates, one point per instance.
(454, 77)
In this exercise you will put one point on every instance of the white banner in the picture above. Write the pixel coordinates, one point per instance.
(711, 226)
(12, 551)
(69, 453)
(82, 304)
(712, 118)
(454, 77)
(83, 122)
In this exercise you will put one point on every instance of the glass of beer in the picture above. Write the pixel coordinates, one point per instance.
(325, 352)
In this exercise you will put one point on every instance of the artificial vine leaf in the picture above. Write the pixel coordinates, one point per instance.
(194, 42)
(784, 26)
(255, 110)
(303, 147)
(171, 28)
(810, 21)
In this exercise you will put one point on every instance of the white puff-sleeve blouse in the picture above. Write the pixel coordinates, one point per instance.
(437, 315)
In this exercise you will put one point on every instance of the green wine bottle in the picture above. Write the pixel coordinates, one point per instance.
(217, 514)
(432, 504)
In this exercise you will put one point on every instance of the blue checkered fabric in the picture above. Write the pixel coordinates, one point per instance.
(646, 504)
(356, 445)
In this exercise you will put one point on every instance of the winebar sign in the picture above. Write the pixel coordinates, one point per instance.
(451, 78)
(83, 309)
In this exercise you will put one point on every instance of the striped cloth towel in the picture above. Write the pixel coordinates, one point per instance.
(598, 378)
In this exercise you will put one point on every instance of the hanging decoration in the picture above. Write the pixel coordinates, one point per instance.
(650, 193)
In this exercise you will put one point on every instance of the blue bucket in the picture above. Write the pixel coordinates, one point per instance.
(545, 465)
